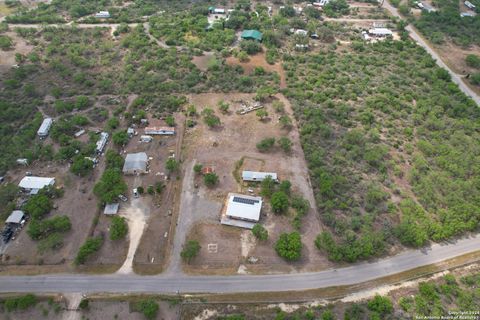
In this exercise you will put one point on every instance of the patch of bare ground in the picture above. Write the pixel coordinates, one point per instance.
(202, 61)
(223, 148)
(7, 58)
(454, 56)
(258, 60)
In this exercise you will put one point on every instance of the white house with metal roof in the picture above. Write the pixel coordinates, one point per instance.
(34, 184)
(102, 14)
(135, 163)
(242, 210)
(45, 127)
(256, 176)
(380, 32)
(164, 131)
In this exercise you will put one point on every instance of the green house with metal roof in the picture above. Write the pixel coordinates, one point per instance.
(252, 35)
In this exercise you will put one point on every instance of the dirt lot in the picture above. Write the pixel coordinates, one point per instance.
(223, 148)
(79, 206)
(153, 235)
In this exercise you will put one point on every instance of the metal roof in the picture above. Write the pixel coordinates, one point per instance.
(35, 182)
(135, 162)
(380, 31)
(111, 208)
(244, 207)
(15, 217)
(257, 176)
(252, 34)
(45, 127)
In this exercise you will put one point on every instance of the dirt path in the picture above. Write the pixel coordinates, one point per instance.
(72, 312)
(137, 215)
(456, 78)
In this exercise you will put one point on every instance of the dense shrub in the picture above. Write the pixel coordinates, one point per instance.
(20, 303)
(289, 246)
(90, 246)
(118, 228)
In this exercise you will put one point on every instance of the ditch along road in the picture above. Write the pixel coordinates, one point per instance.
(414, 34)
(180, 283)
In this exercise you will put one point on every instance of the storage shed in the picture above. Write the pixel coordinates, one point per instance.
(135, 163)
(111, 209)
(252, 35)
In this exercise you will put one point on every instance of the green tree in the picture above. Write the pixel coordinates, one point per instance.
(81, 166)
(172, 165)
(38, 206)
(197, 168)
(110, 186)
(140, 190)
(90, 246)
(118, 228)
(260, 232)
(265, 144)
(84, 304)
(210, 179)
(328, 315)
(151, 190)
(40, 229)
(159, 186)
(289, 246)
(114, 160)
(279, 202)
(82, 102)
(212, 120)
(120, 138)
(267, 187)
(20, 303)
(381, 305)
(6, 43)
(285, 186)
(190, 250)
(285, 144)
(473, 61)
(113, 123)
(148, 307)
(223, 106)
(250, 46)
(170, 120)
(262, 114)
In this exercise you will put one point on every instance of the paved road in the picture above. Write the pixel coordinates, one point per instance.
(242, 283)
(456, 78)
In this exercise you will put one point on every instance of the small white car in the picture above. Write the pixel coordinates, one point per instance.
(135, 193)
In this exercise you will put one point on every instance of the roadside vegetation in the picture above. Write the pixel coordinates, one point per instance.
(373, 141)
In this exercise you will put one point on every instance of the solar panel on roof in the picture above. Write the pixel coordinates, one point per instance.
(245, 201)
